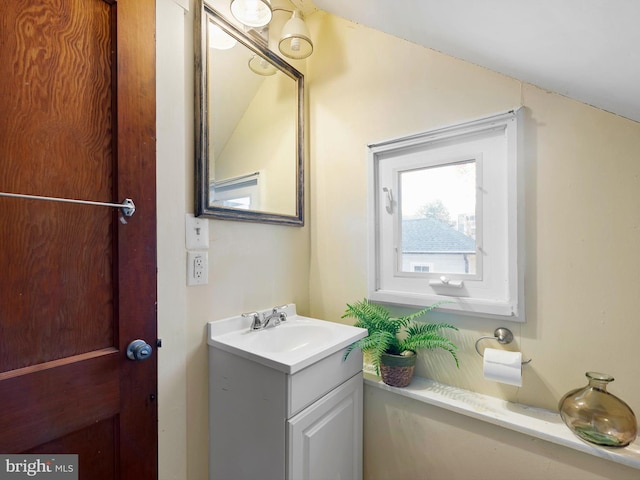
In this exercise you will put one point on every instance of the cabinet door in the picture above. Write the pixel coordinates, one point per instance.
(324, 441)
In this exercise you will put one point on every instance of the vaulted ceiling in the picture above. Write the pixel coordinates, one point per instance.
(588, 50)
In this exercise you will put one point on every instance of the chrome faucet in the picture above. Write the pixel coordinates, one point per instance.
(258, 324)
(276, 314)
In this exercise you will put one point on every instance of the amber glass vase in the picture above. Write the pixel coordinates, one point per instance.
(596, 415)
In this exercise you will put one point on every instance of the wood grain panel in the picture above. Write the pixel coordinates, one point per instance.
(56, 93)
(95, 447)
(68, 395)
(56, 136)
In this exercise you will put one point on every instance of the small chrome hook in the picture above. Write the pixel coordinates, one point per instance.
(503, 336)
(389, 199)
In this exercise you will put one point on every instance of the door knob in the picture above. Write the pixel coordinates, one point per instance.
(139, 350)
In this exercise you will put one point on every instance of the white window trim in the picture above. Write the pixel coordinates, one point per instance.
(510, 308)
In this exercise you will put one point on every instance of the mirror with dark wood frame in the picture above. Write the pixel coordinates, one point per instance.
(249, 126)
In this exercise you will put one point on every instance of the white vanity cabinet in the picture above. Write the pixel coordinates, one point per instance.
(267, 424)
(324, 441)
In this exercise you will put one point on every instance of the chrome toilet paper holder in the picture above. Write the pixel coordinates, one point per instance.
(503, 336)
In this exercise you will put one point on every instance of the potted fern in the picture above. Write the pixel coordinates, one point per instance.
(392, 342)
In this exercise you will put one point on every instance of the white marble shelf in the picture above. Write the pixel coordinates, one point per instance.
(536, 422)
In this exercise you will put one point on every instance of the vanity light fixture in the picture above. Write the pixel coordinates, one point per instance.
(295, 41)
(259, 65)
(219, 39)
(252, 13)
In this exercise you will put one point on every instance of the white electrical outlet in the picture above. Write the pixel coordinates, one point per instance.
(197, 268)
(196, 233)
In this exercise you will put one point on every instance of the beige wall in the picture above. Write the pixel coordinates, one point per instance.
(268, 125)
(405, 439)
(582, 226)
(251, 266)
(364, 86)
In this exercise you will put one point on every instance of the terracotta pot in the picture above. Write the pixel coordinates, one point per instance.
(397, 370)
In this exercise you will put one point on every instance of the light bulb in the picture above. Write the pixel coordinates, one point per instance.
(261, 66)
(253, 13)
(295, 41)
(219, 39)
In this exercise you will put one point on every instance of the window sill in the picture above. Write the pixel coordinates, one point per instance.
(535, 422)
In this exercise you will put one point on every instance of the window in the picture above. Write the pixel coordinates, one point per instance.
(421, 267)
(446, 211)
(239, 192)
(433, 202)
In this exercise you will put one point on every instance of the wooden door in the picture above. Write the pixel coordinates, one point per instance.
(78, 284)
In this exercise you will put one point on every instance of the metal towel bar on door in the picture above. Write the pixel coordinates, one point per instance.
(127, 206)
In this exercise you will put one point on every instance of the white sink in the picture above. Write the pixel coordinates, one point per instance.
(289, 347)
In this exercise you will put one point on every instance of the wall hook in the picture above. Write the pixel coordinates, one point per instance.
(503, 336)
(389, 199)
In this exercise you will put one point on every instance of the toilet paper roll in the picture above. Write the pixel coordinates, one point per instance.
(502, 366)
